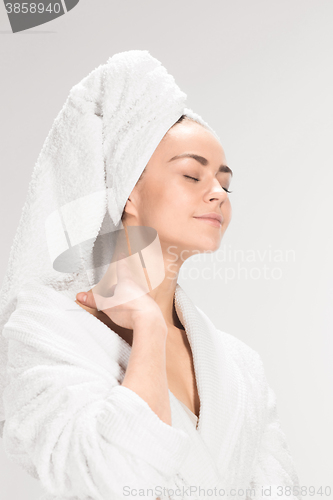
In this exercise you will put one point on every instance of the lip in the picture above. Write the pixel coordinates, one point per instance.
(212, 218)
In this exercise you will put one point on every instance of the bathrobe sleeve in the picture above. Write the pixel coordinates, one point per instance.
(274, 470)
(81, 434)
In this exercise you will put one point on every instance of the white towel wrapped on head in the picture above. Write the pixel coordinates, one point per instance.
(96, 150)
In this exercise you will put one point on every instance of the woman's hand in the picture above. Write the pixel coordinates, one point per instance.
(133, 308)
(129, 304)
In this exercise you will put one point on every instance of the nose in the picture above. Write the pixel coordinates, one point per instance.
(216, 192)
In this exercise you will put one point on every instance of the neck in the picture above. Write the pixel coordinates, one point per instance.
(164, 293)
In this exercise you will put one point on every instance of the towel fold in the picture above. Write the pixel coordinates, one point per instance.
(95, 152)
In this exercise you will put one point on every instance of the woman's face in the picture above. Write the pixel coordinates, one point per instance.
(170, 201)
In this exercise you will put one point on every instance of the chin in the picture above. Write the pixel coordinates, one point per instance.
(208, 245)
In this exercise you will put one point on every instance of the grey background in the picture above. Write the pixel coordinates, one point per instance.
(260, 73)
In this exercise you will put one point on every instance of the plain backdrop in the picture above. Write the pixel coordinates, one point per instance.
(260, 73)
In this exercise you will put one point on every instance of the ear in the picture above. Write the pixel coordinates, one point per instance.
(133, 203)
(130, 208)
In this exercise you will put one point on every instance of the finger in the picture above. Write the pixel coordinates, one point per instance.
(86, 298)
(105, 300)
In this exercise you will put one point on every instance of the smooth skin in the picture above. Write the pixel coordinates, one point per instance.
(167, 199)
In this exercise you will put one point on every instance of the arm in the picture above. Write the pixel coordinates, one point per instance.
(146, 370)
(132, 308)
(78, 431)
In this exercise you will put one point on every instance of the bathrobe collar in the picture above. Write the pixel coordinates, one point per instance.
(219, 382)
(221, 391)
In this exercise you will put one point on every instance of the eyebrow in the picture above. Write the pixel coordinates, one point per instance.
(203, 161)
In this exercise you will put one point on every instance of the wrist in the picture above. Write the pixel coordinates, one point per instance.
(153, 323)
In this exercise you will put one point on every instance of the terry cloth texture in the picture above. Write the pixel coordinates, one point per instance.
(70, 424)
(96, 150)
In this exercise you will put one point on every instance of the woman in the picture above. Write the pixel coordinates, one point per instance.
(131, 391)
(184, 198)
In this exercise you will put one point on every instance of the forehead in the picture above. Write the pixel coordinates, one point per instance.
(190, 137)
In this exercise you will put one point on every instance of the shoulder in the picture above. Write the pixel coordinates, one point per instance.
(38, 302)
(43, 312)
(38, 294)
(51, 328)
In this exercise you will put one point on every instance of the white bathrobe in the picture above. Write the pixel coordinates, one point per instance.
(71, 424)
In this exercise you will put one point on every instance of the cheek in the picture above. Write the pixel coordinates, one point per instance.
(157, 202)
(165, 200)
(173, 198)
(182, 203)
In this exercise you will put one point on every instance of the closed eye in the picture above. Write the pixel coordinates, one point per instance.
(193, 178)
(197, 180)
